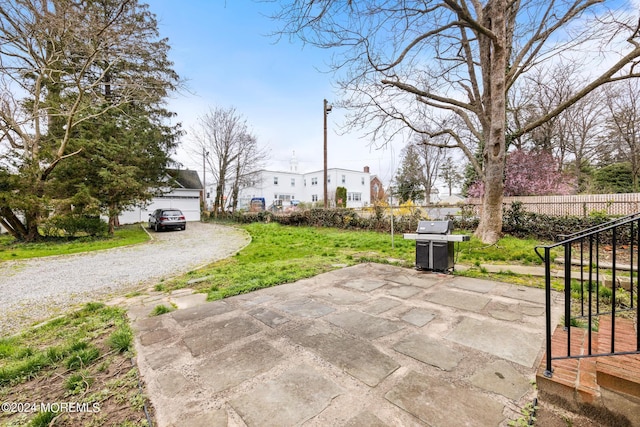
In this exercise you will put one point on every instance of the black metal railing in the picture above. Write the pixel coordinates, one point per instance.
(582, 286)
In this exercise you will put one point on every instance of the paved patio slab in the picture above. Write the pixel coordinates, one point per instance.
(356, 346)
(504, 340)
(212, 336)
(381, 305)
(232, 367)
(440, 403)
(288, 400)
(356, 357)
(461, 300)
(502, 378)
(204, 311)
(364, 325)
(429, 351)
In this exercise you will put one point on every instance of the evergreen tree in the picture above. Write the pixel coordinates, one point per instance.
(449, 172)
(69, 64)
(409, 183)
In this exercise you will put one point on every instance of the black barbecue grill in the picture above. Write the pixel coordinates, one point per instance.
(434, 245)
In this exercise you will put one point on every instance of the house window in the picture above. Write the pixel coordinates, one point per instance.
(304, 181)
(363, 180)
(329, 179)
(314, 181)
(344, 179)
(275, 180)
(293, 182)
(314, 198)
(354, 197)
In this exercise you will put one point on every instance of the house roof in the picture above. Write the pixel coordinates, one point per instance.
(186, 178)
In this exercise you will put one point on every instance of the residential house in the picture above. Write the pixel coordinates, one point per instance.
(281, 188)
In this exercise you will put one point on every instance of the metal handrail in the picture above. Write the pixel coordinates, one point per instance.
(591, 236)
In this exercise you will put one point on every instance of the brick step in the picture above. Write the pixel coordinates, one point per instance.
(573, 379)
(619, 373)
(579, 384)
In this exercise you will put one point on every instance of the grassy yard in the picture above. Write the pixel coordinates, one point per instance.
(280, 254)
(126, 235)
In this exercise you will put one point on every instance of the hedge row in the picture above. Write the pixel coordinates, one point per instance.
(520, 223)
(516, 222)
(338, 218)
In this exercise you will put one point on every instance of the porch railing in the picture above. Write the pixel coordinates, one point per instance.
(582, 300)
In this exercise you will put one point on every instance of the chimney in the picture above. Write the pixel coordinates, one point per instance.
(366, 169)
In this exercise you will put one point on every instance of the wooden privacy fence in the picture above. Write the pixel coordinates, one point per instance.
(574, 205)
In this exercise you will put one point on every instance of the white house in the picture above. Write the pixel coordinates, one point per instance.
(285, 187)
(186, 197)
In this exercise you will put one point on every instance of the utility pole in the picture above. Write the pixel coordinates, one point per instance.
(326, 110)
(204, 178)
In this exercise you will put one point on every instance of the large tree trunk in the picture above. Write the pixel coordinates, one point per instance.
(12, 224)
(32, 220)
(495, 63)
(490, 227)
(218, 204)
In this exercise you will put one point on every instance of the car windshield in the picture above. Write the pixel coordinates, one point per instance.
(171, 213)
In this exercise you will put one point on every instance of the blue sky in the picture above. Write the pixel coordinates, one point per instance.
(223, 50)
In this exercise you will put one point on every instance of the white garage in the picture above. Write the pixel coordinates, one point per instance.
(185, 196)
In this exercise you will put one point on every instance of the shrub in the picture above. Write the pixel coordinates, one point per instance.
(520, 223)
(73, 225)
(341, 197)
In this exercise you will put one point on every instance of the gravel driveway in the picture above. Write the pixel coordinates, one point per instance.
(36, 289)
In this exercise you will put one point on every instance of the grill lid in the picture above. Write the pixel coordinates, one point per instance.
(435, 227)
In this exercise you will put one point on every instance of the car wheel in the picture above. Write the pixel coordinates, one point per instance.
(184, 227)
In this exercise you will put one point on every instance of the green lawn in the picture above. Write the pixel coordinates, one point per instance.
(123, 236)
(281, 254)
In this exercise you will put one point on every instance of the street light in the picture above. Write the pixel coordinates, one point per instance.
(326, 110)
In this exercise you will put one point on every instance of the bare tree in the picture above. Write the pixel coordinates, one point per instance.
(64, 63)
(623, 124)
(410, 64)
(536, 95)
(231, 152)
(573, 134)
(584, 125)
(431, 158)
(251, 158)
